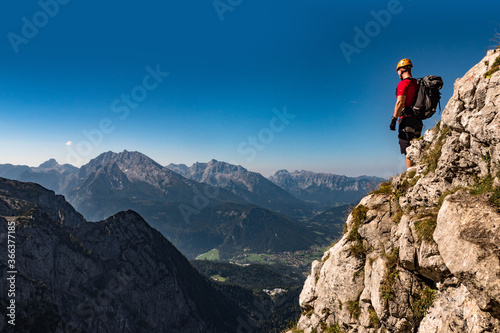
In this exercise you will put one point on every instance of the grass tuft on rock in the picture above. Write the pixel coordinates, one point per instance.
(494, 68)
(391, 274)
(358, 217)
(495, 198)
(331, 329)
(296, 330)
(482, 186)
(432, 155)
(385, 188)
(398, 214)
(425, 228)
(358, 250)
(408, 181)
(354, 309)
(374, 321)
(425, 300)
(485, 185)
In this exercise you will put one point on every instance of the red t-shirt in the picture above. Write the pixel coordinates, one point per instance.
(409, 88)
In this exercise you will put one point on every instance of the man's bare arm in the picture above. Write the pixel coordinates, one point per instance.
(400, 104)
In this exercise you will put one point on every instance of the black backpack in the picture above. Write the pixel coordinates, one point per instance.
(428, 96)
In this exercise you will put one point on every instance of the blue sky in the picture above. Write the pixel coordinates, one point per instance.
(264, 84)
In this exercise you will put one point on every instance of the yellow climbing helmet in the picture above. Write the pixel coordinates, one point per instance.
(403, 63)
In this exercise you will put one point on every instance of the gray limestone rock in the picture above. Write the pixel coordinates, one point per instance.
(455, 310)
(431, 260)
(468, 236)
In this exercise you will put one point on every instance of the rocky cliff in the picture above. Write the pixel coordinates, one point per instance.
(117, 275)
(422, 253)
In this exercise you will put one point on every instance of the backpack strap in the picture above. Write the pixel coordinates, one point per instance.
(407, 112)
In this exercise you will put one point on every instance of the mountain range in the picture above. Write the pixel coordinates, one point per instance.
(323, 189)
(198, 208)
(251, 186)
(49, 174)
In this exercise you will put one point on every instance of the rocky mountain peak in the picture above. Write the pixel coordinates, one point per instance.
(179, 168)
(251, 186)
(215, 167)
(134, 165)
(125, 160)
(421, 253)
(52, 163)
(52, 166)
(18, 199)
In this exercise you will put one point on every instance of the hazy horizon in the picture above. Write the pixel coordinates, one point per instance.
(265, 174)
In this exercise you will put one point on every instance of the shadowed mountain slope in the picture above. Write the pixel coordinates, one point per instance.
(115, 275)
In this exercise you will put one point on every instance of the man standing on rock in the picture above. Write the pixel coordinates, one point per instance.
(410, 127)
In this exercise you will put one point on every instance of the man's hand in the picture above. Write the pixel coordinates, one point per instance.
(393, 123)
